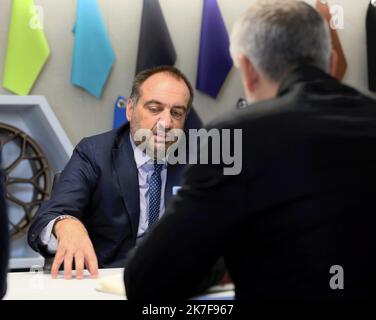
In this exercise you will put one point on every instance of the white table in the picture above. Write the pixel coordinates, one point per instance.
(40, 286)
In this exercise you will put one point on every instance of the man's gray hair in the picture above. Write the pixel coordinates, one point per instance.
(279, 35)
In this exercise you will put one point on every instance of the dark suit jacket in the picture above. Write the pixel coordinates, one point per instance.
(100, 186)
(4, 240)
(304, 202)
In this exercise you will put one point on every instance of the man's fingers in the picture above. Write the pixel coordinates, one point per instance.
(74, 246)
(58, 260)
(92, 264)
(68, 259)
(79, 262)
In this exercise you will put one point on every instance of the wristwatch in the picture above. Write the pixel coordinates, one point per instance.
(62, 217)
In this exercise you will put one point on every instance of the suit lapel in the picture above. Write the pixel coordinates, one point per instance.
(127, 174)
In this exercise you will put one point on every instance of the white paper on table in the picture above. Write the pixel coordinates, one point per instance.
(221, 288)
(112, 284)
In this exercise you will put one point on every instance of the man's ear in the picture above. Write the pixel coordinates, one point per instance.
(333, 63)
(129, 109)
(249, 73)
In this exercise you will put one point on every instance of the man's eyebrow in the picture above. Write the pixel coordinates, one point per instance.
(147, 103)
(153, 102)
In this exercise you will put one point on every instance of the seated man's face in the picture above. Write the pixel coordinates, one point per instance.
(162, 107)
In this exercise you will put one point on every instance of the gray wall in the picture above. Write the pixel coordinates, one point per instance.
(82, 115)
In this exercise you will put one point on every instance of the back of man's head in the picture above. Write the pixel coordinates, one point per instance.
(279, 35)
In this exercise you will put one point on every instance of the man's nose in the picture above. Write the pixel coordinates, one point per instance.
(166, 120)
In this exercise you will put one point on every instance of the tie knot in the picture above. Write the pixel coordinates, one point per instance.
(158, 167)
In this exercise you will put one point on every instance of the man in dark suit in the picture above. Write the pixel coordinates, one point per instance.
(102, 205)
(298, 221)
(4, 240)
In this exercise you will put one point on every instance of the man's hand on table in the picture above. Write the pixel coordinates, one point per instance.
(75, 245)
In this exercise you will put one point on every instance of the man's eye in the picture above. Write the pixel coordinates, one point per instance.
(176, 114)
(154, 109)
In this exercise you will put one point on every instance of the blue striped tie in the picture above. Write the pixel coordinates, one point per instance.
(155, 186)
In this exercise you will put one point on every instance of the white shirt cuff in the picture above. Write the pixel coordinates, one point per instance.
(48, 239)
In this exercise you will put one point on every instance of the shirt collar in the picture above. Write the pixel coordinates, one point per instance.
(302, 73)
(141, 158)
